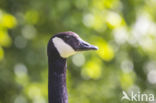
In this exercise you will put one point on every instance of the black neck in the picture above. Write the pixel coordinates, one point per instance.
(57, 91)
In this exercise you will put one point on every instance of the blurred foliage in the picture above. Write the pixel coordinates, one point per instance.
(124, 31)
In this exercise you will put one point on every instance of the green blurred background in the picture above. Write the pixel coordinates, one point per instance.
(124, 31)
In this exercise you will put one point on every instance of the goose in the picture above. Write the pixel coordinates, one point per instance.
(60, 47)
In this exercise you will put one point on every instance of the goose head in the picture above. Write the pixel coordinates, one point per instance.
(69, 43)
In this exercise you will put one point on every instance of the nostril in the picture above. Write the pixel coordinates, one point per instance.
(85, 44)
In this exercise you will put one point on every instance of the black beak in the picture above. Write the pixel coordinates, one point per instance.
(84, 46)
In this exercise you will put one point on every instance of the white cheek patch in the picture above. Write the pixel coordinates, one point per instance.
(64, 49)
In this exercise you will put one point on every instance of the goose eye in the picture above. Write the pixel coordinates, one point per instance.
(67, 37)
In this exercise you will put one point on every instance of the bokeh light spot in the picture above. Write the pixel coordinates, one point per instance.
(127, 66)
(1, 54)
(20, 70)
(8, 21)
(151, 76)
(20, 99)
(120, 35)
(114, 20)
(105, 51)
(5, 40)
(20, 42)
(92, 69)
(88, 20)
(32, 16)
(29, 32)
(34, 91)
(126, 80)
(78, 60)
